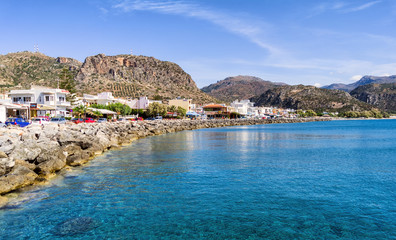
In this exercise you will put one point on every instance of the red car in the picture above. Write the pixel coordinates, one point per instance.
(77, 120)
(89, 120)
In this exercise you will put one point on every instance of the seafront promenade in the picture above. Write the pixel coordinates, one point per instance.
(34, 154)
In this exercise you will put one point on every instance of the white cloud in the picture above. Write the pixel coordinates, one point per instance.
(103, 10)
(318, 85)
(341, 7)
(356, 77)
(361, 7)
(249, 30)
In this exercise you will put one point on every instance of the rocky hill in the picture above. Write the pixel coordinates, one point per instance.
(124, 75)
(309, 97)
(363, 81)
(135, 76)
(239, 87)
(383, 96)
(22, 69)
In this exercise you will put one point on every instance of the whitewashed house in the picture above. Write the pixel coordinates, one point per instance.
(141, 103)
(245, 107)
(104, 98)
(42, 101)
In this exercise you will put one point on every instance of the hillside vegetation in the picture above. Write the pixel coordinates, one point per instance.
(310, 98)
(23, 69)
(383, 96)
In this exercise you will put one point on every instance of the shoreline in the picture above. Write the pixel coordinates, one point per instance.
(35, 154)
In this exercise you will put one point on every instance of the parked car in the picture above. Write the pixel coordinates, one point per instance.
(121, 119)
(17, 121)
(89, 120)
(100, 120)
(77, 120)
(150, 118)
(39, 121)
(58, 120)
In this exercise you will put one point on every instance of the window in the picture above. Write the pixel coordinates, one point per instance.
(51, 98)
(47, 98)
(61, 99)
(27, 99)
(39, 99)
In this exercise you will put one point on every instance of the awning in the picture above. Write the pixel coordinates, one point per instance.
(192, 113)
(14, 106)
(103, 111)
(45, 108)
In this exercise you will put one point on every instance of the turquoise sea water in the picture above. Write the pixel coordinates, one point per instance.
(321, 180)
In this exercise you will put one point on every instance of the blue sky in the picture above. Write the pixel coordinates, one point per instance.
(308, 42)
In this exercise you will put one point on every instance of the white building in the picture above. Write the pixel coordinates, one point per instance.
(141, 103)
(245, 107)
(42, 101)
(104, 98)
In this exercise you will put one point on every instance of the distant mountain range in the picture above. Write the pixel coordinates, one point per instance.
(363, 81)
(239, 87)
(310, 97)
(382, 96)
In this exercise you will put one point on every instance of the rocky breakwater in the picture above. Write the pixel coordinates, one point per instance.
(33, 154)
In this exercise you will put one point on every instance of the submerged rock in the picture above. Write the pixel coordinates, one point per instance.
(75, 226)
(23, 198)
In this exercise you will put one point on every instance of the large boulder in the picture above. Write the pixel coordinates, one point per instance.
(27, 150)
(51, 158)
(19, 176)
(6, 163)
(7, 144)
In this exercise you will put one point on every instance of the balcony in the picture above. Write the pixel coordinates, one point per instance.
(65, 104)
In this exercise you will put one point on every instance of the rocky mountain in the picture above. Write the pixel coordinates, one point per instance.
(135, 76)
(124, 75)
(22, 69)
(383, 96)
(309, 97)
(363, 81)
(239, 87)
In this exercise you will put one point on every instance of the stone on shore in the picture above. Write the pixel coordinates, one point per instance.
(19, 176)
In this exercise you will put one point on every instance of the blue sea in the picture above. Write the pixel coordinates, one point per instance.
(319, 180)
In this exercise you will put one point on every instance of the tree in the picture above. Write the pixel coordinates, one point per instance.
(172, 108)
(181, 112)
(67, 82)
(156, 109)
(310, 113)
(301, 113)
(79, 111)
